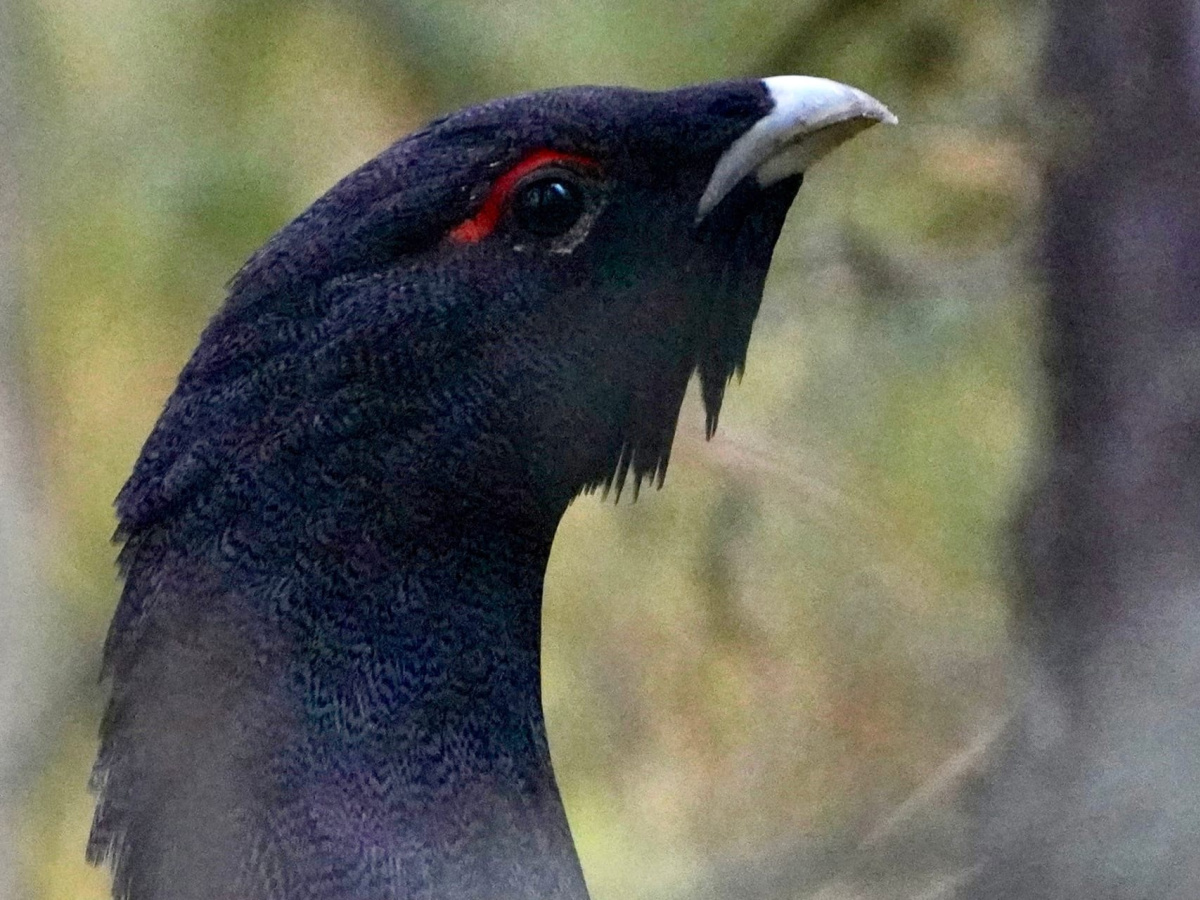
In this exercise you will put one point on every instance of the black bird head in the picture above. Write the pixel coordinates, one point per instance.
(336, 535)
(513, 298)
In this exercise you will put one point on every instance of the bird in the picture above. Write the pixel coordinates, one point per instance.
(324, 663)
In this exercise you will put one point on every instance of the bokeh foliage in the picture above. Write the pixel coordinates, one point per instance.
(748, 669)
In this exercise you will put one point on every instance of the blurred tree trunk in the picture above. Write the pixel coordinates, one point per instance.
(23, 664)
(1097, 793)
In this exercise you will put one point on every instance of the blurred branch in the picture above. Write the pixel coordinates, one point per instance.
(910, 853)
(949, 776)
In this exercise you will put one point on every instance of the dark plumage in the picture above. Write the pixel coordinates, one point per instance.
(324, 664)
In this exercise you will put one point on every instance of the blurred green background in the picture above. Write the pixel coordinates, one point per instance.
(748, 673)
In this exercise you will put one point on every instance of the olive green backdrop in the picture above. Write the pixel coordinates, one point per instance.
(768, 679)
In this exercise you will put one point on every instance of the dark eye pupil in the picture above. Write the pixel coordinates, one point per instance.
(548, 207)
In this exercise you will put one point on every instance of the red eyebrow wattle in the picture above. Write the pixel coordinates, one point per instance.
(484, 222)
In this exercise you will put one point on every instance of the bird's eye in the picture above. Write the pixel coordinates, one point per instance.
(548, 206)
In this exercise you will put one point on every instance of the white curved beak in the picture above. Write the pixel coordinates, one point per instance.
(811, 117)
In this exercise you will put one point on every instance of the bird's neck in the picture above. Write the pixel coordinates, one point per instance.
(423, 738)
(390, 741)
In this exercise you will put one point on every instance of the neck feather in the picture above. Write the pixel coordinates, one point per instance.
(362, 722)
